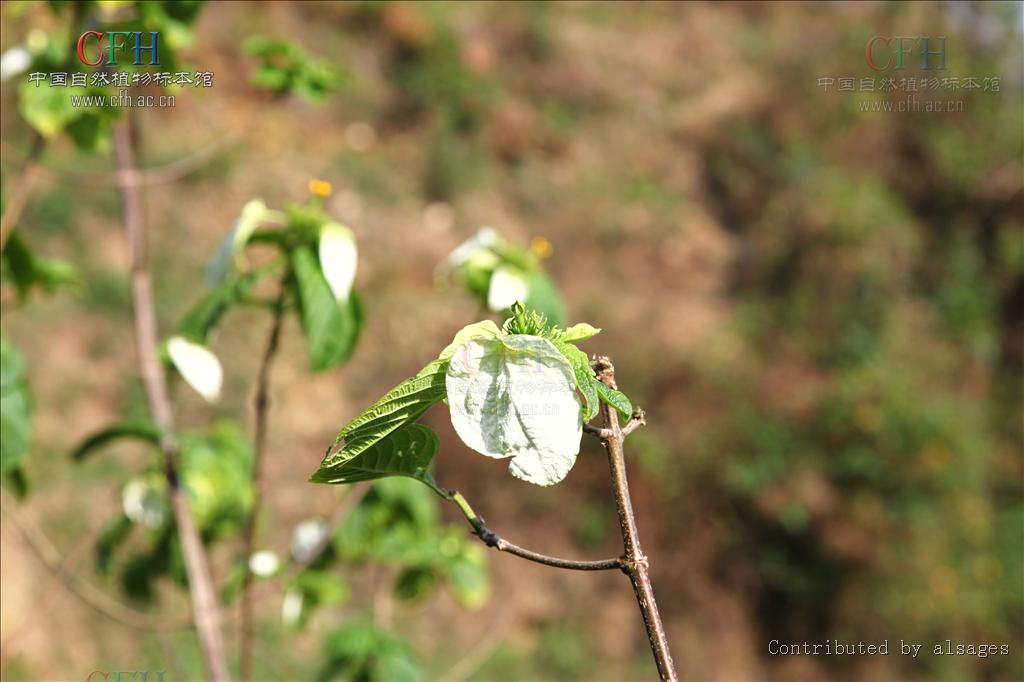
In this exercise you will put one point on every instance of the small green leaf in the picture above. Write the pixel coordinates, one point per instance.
(584, 377)
(616, 399)
(400, 406)
(211, 308)
(25, 270)
(579, 332)
(407, 451)
(15, 408)
(141, 429)
(331, 326)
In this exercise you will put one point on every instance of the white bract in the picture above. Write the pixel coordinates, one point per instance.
(515, 396)
(264, 563)
(291, 607)
(338, 259)
(197, 365)
(15, 62)
(307, 537)
(507, 287)
(475, 247)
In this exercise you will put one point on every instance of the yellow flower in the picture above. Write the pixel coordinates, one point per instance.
(320, 188)
(541, 246)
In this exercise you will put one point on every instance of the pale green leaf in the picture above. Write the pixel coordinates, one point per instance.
(478, 330)
(579, 332)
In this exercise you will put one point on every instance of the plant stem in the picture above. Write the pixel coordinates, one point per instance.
(492, 539)
(261, 402)
(634, 562)
(18, 198)
(205, 610)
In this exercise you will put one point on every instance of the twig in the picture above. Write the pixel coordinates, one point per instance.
(634, 562)
(261, 401)
(22, 190)
(169, 172)
(205, 611)
(597, 432)
(636, 421)
(92, 596)
(492, 539)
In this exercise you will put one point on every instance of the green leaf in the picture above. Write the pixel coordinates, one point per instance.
(616, 399)
(407, 451)
(400, 406)
(15, 408)
(141, 429)
(25, 270)
(544, 297)
(584, 376)
(17, 481)
(361, 651)
(579, 332)
(331, 326)
(207, 313)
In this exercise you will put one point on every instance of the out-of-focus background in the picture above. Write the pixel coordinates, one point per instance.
(819, 306)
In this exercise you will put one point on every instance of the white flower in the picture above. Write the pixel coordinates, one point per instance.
(507, 286)
(338, 259)
(14, 62)
(515, 396)
(143, 502)
(291, 607)
(264, 563)
(307, 537)
(473, 247)
(197, 365)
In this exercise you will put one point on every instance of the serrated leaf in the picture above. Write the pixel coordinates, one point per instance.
(15, 408)
(142, 429)
(584, 377)
(514, 396)
(400, 406)
(579, 332)
(331, 326)
(616, 399)
(407, 451)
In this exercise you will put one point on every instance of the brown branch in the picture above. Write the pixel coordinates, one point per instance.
(261, 402)
(492, 539)
(205, 610)
(18, 197)
(634, 562)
